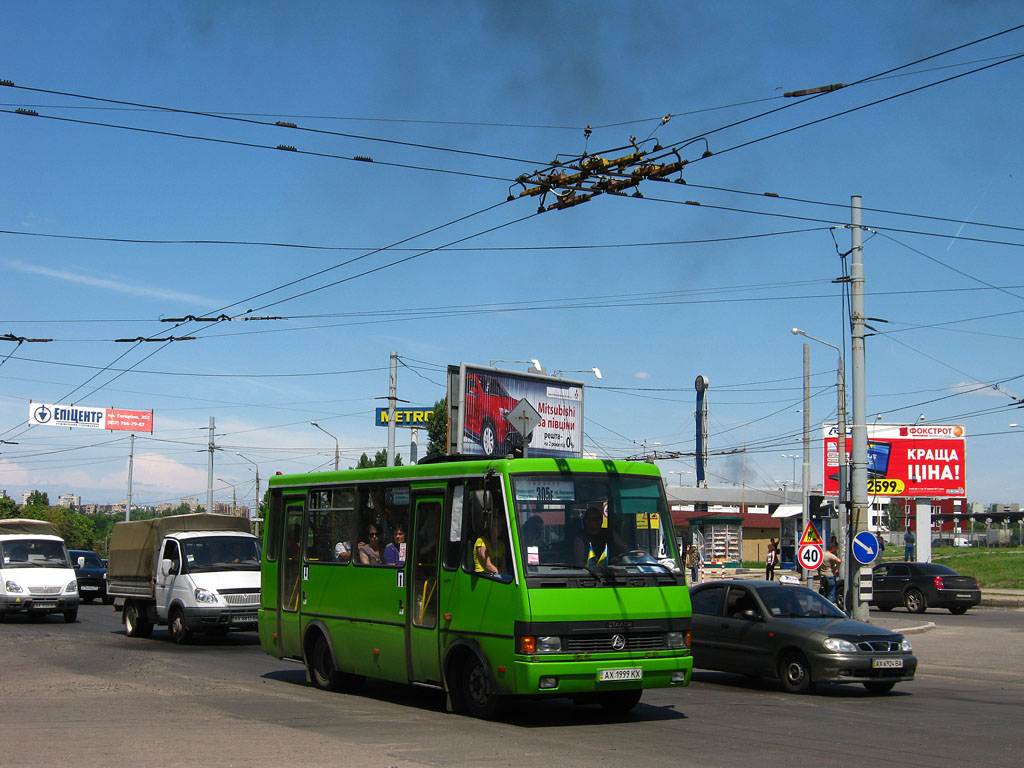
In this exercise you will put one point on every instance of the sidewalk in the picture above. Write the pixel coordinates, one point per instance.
(991, 598)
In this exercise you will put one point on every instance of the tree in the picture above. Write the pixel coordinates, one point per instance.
(8, 508)
(380, 459)
(37, 499)
(437, 429)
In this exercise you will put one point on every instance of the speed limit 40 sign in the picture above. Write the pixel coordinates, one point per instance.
(810, 556)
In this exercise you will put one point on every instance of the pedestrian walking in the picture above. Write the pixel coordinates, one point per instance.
(769, 562)
(830, 563)
(909, 539)
(693, 562)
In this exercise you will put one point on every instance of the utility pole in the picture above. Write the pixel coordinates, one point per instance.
(805, 471)
(209, 473)
(392, 396)
(859, 480)
(131, 462)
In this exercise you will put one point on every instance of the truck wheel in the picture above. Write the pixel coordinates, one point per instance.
(135, 623)
(180, 633)
(71, 616)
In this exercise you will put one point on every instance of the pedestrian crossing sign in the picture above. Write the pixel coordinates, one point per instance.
(811, 535)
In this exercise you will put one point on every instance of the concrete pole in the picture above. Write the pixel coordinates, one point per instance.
(414, 445)
(131, 461)
(842, 506)
(209, 473)
(805, 477)
(860, 435)
(392, 394)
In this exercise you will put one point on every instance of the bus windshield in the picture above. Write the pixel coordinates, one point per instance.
(593, 523)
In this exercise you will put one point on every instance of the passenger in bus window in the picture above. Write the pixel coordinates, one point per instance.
(370, 551)
(533, 531)
(489, 549)
(598, 542)
(342, 551)
(394, 553)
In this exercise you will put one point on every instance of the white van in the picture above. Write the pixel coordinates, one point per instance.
(36, 576)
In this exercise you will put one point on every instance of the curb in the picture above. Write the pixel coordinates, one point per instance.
(1001, 602)
(916, 630)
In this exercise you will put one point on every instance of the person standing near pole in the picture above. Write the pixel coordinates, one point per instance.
(909, 539)
(830, 563)
(693, 562)
(769, 561)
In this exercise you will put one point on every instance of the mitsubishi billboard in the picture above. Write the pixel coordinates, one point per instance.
(912, 460)
(481, 397)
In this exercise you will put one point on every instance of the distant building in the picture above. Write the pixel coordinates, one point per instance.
(69, 500)
(24, 497)
(191, 502)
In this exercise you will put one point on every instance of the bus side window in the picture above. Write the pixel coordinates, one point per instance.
(275, 523)
(329, 525)
(453, 529)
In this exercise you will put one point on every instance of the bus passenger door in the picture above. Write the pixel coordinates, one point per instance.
(289, 593)
(424, 647)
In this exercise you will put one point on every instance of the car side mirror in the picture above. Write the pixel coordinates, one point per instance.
(81, 562)
(167, 566)
(751, 615)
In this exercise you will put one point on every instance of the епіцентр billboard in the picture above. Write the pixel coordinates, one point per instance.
(484, 397)
(912, 460)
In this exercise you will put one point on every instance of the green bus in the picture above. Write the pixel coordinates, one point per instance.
(485, 578)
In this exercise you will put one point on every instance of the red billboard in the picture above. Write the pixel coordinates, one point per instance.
(916, 460)
(128, 421)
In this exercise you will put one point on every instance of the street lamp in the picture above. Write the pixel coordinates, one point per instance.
(337, 450)
(533, 363)
(595, 371)
(683, 472)
(794, 457)
(257, 505)
(841, 444)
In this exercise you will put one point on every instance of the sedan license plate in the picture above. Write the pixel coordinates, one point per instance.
(87, 588)
(887, 663)
(610, 675)
(963, 597)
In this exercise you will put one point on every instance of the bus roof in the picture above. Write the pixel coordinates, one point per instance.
(462, 465)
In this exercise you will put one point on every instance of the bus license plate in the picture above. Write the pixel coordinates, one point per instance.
(610, 675)
(887, 663)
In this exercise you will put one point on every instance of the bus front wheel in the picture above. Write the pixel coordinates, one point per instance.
(323, 671)
(475, 695)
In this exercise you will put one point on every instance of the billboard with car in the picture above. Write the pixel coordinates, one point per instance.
(911, 460)
(483, 397)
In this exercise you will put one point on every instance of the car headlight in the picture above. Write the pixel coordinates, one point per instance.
(72, 586)
(905, 645)
(838, 645)
(205, 596)
(14, 587)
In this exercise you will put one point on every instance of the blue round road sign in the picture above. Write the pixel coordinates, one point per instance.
(865, 547)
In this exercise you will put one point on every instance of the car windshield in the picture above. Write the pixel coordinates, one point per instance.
(33, 553)
(593, 523)
(794, 602)
(492, 386)
(221, 553)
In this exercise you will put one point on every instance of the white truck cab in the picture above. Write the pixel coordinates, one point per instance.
(194, 573)
(36, 576)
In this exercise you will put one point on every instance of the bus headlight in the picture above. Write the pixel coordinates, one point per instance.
(676, 639)
(540, 644)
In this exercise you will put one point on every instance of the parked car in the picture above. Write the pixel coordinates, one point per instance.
(91, 574)
(920, 586)
(790, 632)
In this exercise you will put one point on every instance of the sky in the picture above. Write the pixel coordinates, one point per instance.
(151, 185)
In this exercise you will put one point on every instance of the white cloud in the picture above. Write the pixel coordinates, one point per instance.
(113, 285)
(984, 390)
(641, 375)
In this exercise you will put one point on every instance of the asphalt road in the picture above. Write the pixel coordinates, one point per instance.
(84, 694)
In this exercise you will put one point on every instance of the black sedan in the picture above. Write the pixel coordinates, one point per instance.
(920, 586)
(770, 629)
(91, 574)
